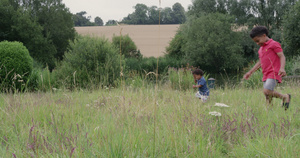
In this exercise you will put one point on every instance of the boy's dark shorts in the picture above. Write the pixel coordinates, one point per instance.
(270, 84)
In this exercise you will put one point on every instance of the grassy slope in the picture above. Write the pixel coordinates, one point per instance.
(113, 123)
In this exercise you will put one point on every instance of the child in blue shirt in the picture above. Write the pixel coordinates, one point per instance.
(203, 92)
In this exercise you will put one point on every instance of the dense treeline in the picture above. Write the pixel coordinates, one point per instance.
(81, 20)
(153, 15)
(141, 16)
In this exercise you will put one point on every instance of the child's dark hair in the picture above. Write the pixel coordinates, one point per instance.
(258, 31)
(198, 72)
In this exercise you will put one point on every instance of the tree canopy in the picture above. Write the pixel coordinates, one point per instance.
(150, 15)
(44, 26)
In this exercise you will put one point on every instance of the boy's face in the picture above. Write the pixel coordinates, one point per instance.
(260, 40)
(197, 77)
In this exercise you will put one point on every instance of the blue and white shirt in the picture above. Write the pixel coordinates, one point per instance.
(203, 90)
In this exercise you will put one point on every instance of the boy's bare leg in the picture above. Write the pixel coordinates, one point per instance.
(270, 94)
(269, 99)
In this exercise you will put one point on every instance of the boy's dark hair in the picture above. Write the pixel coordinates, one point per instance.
(258, 31)
(198, 72)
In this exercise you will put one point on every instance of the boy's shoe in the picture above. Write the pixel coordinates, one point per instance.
(287, 105)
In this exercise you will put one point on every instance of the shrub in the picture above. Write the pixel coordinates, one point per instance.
(15, 65)
(212, 44)
(128, 47)
(90, 62)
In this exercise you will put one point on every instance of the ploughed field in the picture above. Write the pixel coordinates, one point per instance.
(151, 40)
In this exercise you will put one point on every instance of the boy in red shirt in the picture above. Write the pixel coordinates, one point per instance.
(272, 62)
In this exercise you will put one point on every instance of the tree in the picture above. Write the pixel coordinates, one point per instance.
(178, 14)
(211, 43)
(200, 7)
(166, 16)
(270, 12)
(43, 26)
(81, 20)
(291, 32)
(153, 14)
(111, 22)
(246, 12)
(98, 21)
(15, 20)
(57, 23)
(39, 45)
(140, 14)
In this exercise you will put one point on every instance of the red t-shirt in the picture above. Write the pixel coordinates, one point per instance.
(270, 61)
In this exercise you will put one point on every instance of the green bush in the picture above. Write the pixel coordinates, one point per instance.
(15, 65)
(90, 62)
(212, 44)
(128, 47)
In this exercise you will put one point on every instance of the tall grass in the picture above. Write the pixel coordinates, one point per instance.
(182, 78)
(111, 123)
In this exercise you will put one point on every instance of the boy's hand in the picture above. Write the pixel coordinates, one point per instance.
(194, 86)
(282, 72)
(247, 75)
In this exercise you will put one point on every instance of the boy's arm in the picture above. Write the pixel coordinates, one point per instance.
(282, 64)
(255, 67)
(197, 86)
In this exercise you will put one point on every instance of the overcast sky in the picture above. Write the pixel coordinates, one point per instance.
(115, 9)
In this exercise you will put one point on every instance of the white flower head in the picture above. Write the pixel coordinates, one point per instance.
(221, 105)
(198, 95)
(214, 113)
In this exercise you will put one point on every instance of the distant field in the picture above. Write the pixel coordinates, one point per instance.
(152, 40)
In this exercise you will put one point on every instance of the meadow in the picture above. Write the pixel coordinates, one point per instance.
(146, 121)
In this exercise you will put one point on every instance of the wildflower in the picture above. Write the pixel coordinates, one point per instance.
(221, 105)
(214, 113)
(54, 89)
